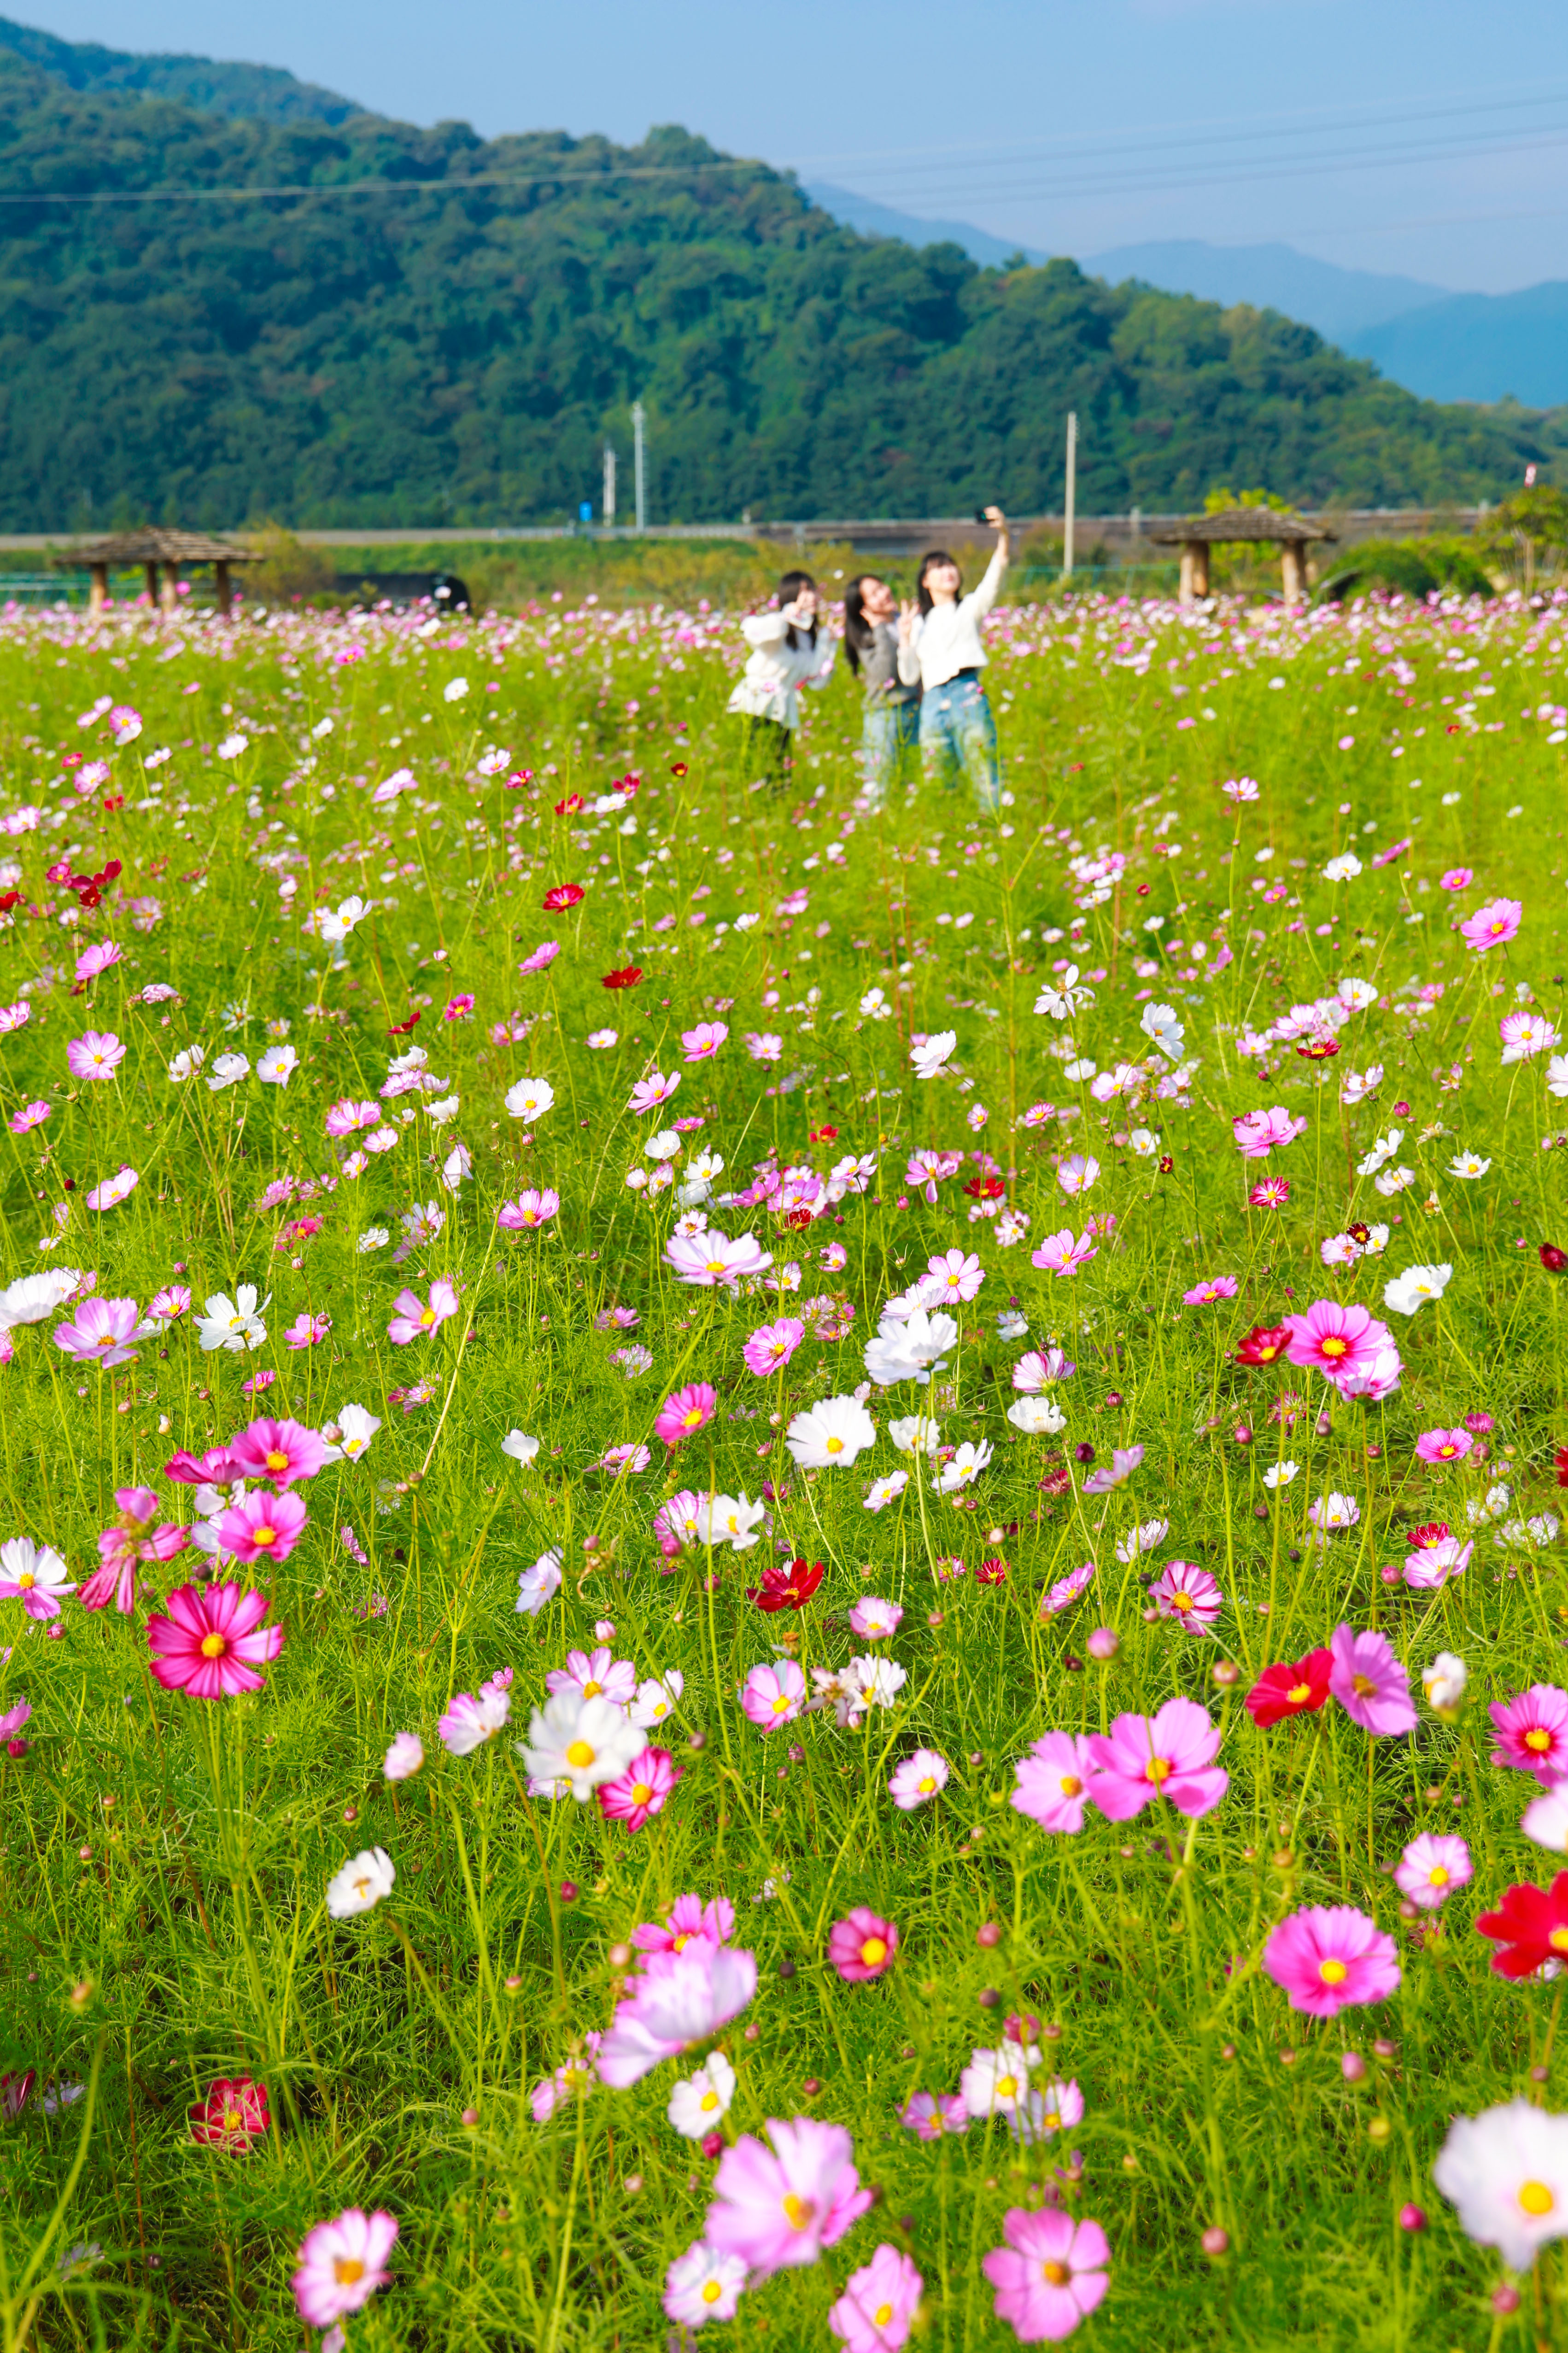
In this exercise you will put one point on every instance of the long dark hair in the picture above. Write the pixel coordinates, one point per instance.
(936, 555)
(858, 630)
(790, 587)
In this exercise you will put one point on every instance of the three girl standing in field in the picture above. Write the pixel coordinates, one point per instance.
(921, 673)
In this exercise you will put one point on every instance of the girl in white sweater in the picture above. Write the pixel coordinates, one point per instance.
(943, 652)
(789, 650)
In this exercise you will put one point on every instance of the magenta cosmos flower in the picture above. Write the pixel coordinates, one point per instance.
(862, 1945)
(773, 1696)
(1431, 1867)
(643, 1790)
(1494, 926)
(416, 1318)
(771, 1345)
(877, 2307)
(1327, 1957)
(784, 2205)
(279, 1450)
(1369, 1683)
(262, 1527)
(1533, 1732)
(1335, 1340)
(1259, 1133)
(688, 1921)
(344, 1117)
(1050, 2275)
(102, 1332)
(343, 2264)
(529, 1211)
(1444, 1445)
(97, 1054)
(211, 1643)
(1053, 1781)
(1170, 1755)
(1209, 1293)
(1188, 1594)
(684, 1414)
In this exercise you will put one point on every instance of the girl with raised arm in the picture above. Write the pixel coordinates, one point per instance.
(944, 653)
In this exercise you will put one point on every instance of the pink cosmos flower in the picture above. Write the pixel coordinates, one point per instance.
(1494, 926)
(1444, 1445)
(95, 958)
(1259, 1133)
(34, 1575)
(1435, 1554)
(624, 1461)
(530, 1210)
(262, 1527)
(690, 1409)
(917, 1779)
(656, 1089)
(702, 2284)
(700, 1044)
(711, 1259)
(1107, 1476)
(1272, 1193)
(784, 2205)
(1037, 1369)
(545, 954)
(1050, 2275)
(470, 1720)
(1189, 1594)
(102, 1332)
(763, 1045)
(1335, 1340)
(306, 1330)
(457, 1007)
(1072, 1587)
(1206, 1294)
(680, 1998)
(1055, 1781)
(950, 1277)
(773, 1696)
(596, 1674)
(31, 1115)
(212, 1643)
(1059, 1255)
(279, 1450)
(1077, 1173)
(1327, 1957)
(343, 1118)
(1457, 877)
(1170, 1755)
(930, 2115)
(643, 1790)
(170, 1303)
(96, 1054)
(677, 1523)
(1370, 1683)
(343, 2264)
(689, 1920)
(1431, 1867)
(1533, 1732)
(771, 1345)
(877, 2307)
(862, 1945)
(416, 1318)
(874, 1620)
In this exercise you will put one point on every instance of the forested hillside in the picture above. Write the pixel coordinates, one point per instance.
(409, 326)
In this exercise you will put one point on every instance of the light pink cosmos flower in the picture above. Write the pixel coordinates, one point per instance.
(1208, 1294)
(1188, 1593)
(170, 1303)
(700, 1044)
(1055, 1781)
(1327, 1957)
(1059, 1255)
(773, 1696)
(1068, 1588)
(862, 1945)
(345, 1117)
(545, 953)
(680, 1998)
(102, 1332)
(595, 1672)
(1335, 1340)
(1107, 1476)
(279, 1450)
(1369, 1683)
(530, 1210)
(771, 1346)
(952, 1276)
(112, 1190)
(930, 2115)
(1035, 1372)
(31, 1115)
(877, 2310)
(96, 1054)
(762, 1046)
(917, 1779)
(262, 1527)
(1077, 1173)
(1050, 2275)
(702, 2284)
(1431, 1867)
(567, 2083)
(711, 1258)
(470, 1720)
(677, 1523)
(875, 1620)
(1170, 1755)
(784, 2205)
(1533, 1732)
(405, 1758)
(1259, 1133)
(683, 1415)
(341, 2265)
(306, 1330)
(95, 958)
(1494, 926)
(689, 1920)
(656, 1089)
(643, 1790)
(416, 1318)
(624, 1461)
(1444, 1445)
(34, 1575)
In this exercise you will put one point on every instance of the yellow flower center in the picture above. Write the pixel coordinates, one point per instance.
(1051, 2120)
(232, 2120)
(874, 1951)
(927, 1786)
(692, 1418)
(1159, 1770)
(781, 1703)
(882, 2315)
(715, 1266)
(1072, 1786)
(1558, 1940)
(641, 1794)
(1334, 1346)
(835, 1446)
(1055, 2275)
(1332, 1972)
(26, 1580)
(709, 2102)
(1007, 2088)
(711, 2291)
(265, 1535)
(277, 1460)
(798, 2212)
(1299, 1693)
(1535, 2198)
(681, 1943)
(427, 1317)
(591, 1689)
(1181, 1601)
(1363, 1687)
(104, 1340)
(214, 1646)
(1539, 1740)
(1437, 1877)
(347, 2269)
(580, 1755)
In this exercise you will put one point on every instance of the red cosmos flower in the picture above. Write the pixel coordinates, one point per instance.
(626, 975)
(824, 1135)
(568, 808)
(1531, 1925)
(799, 1219)
(1553, 1259)
(1299, 1688)
(1318, 1049)
(1167, 1165)
(233, 2114)
(1358, 1233)
(992, 1571)
(1055, 1482)
(986, 1189)
(1559, 1463)
(402, 1029)
(114, 803)
(566, 894)
(10, 900)
(786, 1589)
(1264, 1345)
(678, 767)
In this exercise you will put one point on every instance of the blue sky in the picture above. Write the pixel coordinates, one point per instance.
(1426, 136)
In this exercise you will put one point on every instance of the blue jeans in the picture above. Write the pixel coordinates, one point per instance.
(891, 732)
(958, 734)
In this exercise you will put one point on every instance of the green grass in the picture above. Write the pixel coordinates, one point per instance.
(164, 1862)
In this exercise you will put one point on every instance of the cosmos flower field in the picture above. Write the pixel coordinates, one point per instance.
(771, 1566)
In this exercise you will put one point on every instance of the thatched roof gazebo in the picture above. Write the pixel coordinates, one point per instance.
(1196, 536)
(152, 548)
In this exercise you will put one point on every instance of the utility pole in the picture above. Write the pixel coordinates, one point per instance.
(1071, 493)
(609, 507)
(637, 465)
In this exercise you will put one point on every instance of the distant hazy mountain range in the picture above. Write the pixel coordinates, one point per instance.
(1445, 347)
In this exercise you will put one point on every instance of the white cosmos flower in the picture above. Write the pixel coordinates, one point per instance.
(1358, 994)
(731, 1520)
(1141, 1539)
(530, 1099)
(699, 2101)
(277, 1065)
(912, 1431)
(232, 1324)
(1144, 1142)
(1342, 868)
(1557, 1075)
(186, 1064)
(580, 1741)
(1279, 1474)
(350, 1434)
(964, 1467)
(1037, 1416)
(227, 1071)
(930, 1058)
(1467, 1164)
(1444, 1682)
(833, 1433)
(32, 1297)
(374, 1238)
(360, 1885)
(658, 1699)
(886, 1490)
(1383, 1150)
(1507, 2172)
(538, 1584)
(521, 1448)
(1164, 1029)
(1407, 1292)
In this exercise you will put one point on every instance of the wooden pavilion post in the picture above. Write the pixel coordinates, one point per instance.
(98, 594)
(1194, 571)
(152, 572)
(169, 595)
(222, 589)
(1293, 572)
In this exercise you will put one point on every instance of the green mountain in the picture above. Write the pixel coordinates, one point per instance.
(216, 316)
(266, 92)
